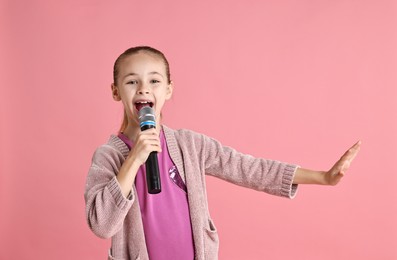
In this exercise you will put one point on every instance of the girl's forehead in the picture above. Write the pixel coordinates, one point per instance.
(141, 61)
(142, 64)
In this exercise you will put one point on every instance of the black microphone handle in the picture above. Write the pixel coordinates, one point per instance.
(153, 174)
(147, 120)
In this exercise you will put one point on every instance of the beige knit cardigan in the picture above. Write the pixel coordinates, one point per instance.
(111, 215)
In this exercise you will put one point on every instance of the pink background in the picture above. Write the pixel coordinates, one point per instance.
(297, 81)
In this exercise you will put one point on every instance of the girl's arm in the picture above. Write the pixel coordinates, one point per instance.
(331, 177)
(146, 142)
(108, 198)
(270, 176)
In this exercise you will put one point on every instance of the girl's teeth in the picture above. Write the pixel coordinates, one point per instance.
(140, 104)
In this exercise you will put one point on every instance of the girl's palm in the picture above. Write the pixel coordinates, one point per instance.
(335, 174)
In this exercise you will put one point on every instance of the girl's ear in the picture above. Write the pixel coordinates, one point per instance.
(115, 92)
(170, 89)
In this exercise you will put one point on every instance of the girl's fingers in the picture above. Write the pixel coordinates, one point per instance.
(148, 134)
(344, 163)
(151, 131)
(344, 168)
(150, 142)
(352, 152)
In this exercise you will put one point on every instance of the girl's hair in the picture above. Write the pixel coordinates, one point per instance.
(129, 52)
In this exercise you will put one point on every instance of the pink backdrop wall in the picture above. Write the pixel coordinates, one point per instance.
(309, 78)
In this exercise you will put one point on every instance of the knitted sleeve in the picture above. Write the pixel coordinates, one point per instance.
(106, 207)
(270, 176)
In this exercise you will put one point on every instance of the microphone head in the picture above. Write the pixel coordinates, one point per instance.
(147, 118)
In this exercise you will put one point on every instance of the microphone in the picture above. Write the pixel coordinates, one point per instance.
(147, 120)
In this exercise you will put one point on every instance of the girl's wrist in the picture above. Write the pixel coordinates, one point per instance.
(132, 165)
(306, 176)
(322, 180)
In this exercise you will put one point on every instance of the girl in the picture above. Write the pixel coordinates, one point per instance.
(174, 224)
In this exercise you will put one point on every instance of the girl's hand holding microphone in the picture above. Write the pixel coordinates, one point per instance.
(146, 142)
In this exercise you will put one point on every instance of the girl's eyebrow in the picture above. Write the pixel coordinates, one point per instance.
(150, 73)
(156, 73)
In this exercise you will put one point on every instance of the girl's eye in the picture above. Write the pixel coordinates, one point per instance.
(132, 82)
(154, 81)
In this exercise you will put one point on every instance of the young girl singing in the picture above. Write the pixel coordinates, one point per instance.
(175, 223)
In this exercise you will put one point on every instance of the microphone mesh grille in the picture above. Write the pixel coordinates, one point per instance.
(146, 114)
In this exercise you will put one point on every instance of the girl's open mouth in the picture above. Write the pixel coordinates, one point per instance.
(140, 104)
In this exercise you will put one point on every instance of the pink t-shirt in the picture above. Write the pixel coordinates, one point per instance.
(165, 216)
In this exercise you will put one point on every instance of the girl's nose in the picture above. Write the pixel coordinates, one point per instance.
(143, 90)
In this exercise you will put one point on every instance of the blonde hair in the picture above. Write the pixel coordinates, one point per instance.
(127, 53)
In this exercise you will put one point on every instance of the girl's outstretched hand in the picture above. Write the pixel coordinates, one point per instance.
(335, 174)
(331, 177)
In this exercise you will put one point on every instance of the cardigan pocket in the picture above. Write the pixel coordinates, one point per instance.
(110, 257)
(211, 241)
